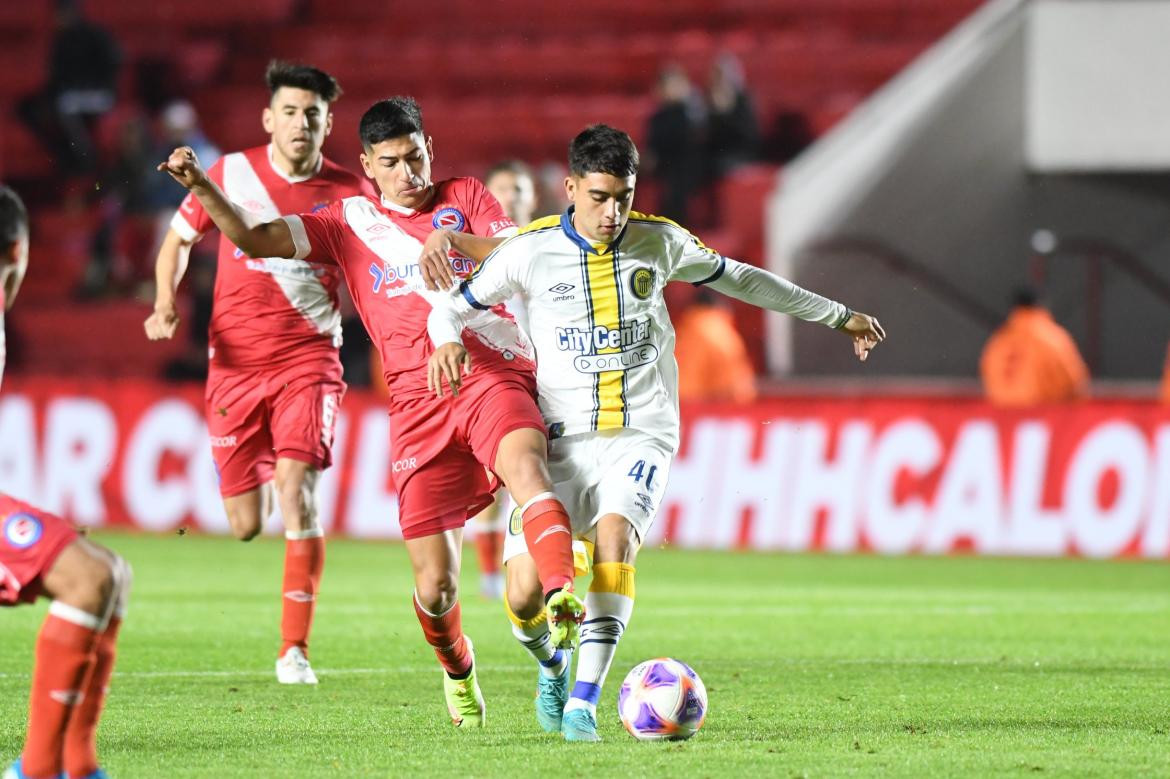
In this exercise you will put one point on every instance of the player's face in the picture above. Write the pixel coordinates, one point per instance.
(298, 121)
(13, 264)
(401, 167)
(516, 194)
(602, 204)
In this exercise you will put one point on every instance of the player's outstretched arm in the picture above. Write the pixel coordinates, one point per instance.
(169, 268)
(775, 293)
(434, 261)
(271, 239)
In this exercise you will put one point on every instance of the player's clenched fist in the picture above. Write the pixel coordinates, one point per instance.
(184, 167)
(865, 331)
(449, 362)
(162, 323)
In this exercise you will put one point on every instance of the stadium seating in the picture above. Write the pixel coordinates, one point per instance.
(504, 81)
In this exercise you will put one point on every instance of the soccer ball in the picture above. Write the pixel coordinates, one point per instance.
(662, 699)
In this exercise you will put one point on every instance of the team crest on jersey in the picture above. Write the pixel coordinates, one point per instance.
(449, 219)
(23, 530)
(642, 283)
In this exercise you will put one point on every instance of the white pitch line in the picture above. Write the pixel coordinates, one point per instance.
(402, 669)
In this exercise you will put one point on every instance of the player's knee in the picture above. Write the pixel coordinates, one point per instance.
(529, 473)
(245, 524)
(94, 585)
(437, 590)
(294, 494)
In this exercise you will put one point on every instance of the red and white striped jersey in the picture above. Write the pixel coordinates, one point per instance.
(270, 310)
(378, 243)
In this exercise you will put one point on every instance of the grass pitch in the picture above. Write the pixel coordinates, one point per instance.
(815, 666)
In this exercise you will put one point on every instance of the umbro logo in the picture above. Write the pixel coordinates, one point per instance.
(378, 228)
(300, 596)
(561, 288)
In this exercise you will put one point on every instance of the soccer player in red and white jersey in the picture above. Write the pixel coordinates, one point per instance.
(440, 448)
(509, 182)
(42, 555)
(274, 380)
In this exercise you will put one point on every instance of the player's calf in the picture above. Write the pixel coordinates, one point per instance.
(74, 658)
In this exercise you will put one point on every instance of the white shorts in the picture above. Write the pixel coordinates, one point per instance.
(619, 471)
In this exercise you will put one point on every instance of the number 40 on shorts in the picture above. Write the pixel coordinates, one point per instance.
(639, 470)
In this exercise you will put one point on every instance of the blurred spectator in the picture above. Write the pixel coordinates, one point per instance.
(1031, 360)
(674, 143)
(550, 188)
(733, 132)
(138, 204)
(511, 183)
(790, 135)
(83, 76)
(713, 362)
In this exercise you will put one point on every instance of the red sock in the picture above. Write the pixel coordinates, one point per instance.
(488, 544)
(445, 634)
(550, 541)
(81, 734)
(304, 559)
(64, 656)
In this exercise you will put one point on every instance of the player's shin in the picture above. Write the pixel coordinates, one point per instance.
(534, 636)
(304, 561)
(80, 751)
(609, 604)
(64, 659)
(444, 632)
(549, 537)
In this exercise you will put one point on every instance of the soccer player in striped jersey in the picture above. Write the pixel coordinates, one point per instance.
(274, 383)
(592, 281)
(42, 555)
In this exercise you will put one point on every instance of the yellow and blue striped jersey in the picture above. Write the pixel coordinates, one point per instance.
(604, 341)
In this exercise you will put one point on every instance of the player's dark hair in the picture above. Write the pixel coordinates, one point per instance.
(600, 148)
(298, 76)
(13, 217)
(393, 117)
(515, 167)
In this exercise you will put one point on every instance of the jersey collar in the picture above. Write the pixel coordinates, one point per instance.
(294, 179)
(582, 241)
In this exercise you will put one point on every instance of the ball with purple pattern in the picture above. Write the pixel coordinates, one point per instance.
(662, 699)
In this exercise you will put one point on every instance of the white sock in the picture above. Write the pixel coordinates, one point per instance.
(537, 641)
(606, 615)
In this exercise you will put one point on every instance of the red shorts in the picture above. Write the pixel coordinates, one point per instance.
(30, 541)
(256, 416)
(443, 449)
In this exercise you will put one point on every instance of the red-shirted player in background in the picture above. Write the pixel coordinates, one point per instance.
(440, 448)
(41, 554)
(274, 376)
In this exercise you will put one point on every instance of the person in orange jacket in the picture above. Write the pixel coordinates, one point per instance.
(713, 362)
(1031, 360)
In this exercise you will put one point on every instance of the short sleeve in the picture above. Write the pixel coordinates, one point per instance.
(319, 236)
(191, 221)
(486, 216)
(692, 261)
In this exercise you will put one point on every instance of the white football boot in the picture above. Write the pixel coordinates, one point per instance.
(294, 668)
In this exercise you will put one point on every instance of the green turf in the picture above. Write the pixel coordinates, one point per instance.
(817, 666)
